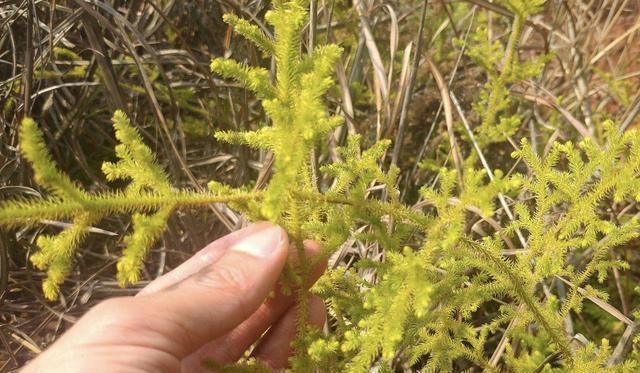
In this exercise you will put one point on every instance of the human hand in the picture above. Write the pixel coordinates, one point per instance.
(210, 307)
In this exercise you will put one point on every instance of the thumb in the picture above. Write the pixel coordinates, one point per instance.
(180, 319)
(154, 332)
(219, 297)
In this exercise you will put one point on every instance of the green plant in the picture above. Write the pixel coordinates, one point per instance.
(503, 68)
(421, 307)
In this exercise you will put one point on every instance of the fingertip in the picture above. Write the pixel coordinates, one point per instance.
(312, 247)
(319, 263)
(264, 243)
(206, 257)
(317, 312)
(275, 348)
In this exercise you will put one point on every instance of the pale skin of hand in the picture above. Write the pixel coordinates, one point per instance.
(214, 306)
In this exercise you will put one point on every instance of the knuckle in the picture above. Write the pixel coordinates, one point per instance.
(112, 311)
(112, 319)
(225, 277)
(109, 307)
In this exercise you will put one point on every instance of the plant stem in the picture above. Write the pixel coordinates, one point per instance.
(494, 99)
(18, 212)
(525, 296)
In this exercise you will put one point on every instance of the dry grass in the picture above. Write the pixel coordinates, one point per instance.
(71, 63)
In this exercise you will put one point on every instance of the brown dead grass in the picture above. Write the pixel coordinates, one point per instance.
(153, 60)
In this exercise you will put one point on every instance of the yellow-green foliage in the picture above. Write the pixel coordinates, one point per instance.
(294, 103)
(149, 197)
(503, 68)
(425, 301)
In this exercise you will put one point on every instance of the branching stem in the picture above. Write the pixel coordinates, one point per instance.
(19, 212)
(507, 69)
(526, 296)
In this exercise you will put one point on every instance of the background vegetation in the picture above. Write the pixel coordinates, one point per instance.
(474, 89)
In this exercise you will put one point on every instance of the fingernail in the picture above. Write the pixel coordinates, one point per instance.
(261, 243)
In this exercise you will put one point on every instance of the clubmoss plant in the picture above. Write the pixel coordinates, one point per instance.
(503, 68)
(449, 281)
(149, 198)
